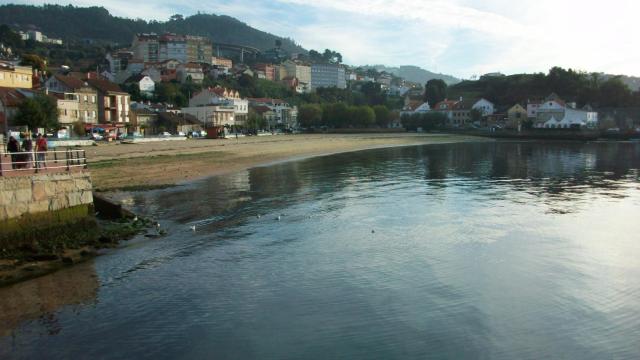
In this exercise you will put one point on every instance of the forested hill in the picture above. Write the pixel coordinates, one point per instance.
(76, 23)
(416, 74)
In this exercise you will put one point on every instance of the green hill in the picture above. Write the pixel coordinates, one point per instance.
(96, 23)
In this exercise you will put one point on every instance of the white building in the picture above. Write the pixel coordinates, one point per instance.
(328, 75)
(555, 113)
(219, 96)
(285, 115)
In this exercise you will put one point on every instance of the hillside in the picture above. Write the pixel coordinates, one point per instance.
(416, 74)
(96, 23)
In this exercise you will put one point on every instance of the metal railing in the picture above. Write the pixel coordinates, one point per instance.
(29, 162)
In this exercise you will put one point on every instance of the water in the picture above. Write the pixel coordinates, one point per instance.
(506, 250)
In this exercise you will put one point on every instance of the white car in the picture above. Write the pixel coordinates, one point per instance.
(166, 133)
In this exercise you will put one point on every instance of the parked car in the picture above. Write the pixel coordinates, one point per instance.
(166, 133)
(180, 133)
(96, 136)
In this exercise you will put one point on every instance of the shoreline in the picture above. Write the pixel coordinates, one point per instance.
(157, 166)
(14, 271)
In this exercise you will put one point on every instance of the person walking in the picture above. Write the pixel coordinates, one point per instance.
(13, 147)
(27, 148)
(41, 151)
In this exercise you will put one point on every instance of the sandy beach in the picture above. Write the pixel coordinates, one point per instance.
(132, 166)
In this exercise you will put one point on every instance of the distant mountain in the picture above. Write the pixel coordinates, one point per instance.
(96, 23)
(416, 74)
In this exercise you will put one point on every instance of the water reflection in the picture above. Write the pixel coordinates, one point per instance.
(552, 172)
(492, 250)
(40, 299)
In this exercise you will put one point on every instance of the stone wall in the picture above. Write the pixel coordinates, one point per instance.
(43, 193)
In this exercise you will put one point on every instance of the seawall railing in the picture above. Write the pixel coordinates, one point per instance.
(36, 162)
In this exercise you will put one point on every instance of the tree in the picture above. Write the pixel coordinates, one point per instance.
(10, 38)
(255, 122)
(435, 91)
(78, 128)
(476, 115)
(383, 115)
(310, 115)
(38, 112)
(34, 61)
(362, 116)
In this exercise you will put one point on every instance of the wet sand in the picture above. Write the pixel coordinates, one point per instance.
(140, 166)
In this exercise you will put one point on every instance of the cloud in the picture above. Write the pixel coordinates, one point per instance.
(460, 37)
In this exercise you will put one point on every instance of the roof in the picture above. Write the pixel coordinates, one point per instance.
(261, 109)
(267, 101)
(464, 104)
(135, 78)
(71, 82)
(11, 97)
(448, 103)
(104, 85)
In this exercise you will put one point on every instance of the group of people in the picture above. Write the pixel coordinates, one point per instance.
(22, 154)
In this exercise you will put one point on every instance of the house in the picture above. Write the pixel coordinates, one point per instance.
(176, 123)
(222, 62)
(268, 69)
(266, 113)
(154, 73)
(190, 72)
(14, 76)
(446, 107)
(555, 113)
(516, 115)
(113, 102)
(143, 120)
(462, 114)
(144, 83)
(412, 100)
(74, 89)
(220, 100)
(286, 116)
(415, 108)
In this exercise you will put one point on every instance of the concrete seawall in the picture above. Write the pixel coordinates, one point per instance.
(41, 193)
(44, 214)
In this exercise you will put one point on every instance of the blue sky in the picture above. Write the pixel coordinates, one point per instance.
(458, 37)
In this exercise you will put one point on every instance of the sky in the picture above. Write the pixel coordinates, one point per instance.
(457, 37)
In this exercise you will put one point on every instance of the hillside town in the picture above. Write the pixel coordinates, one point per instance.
(185, 85)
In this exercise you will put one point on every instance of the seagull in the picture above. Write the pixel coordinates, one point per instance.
(193, 228)
(135, 218)
(278, 218)
(258, 216)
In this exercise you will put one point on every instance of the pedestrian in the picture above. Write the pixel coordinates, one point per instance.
(27, 148)
(41, 151)
(13, 147)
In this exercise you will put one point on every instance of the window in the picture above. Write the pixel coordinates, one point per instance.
(85, 98)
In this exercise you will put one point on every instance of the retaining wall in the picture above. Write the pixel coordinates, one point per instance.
(35, 194)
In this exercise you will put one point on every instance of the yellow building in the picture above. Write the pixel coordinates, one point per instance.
(13, 76)
(516, 116)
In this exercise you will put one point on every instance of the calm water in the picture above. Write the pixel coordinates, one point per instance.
(506, 250)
